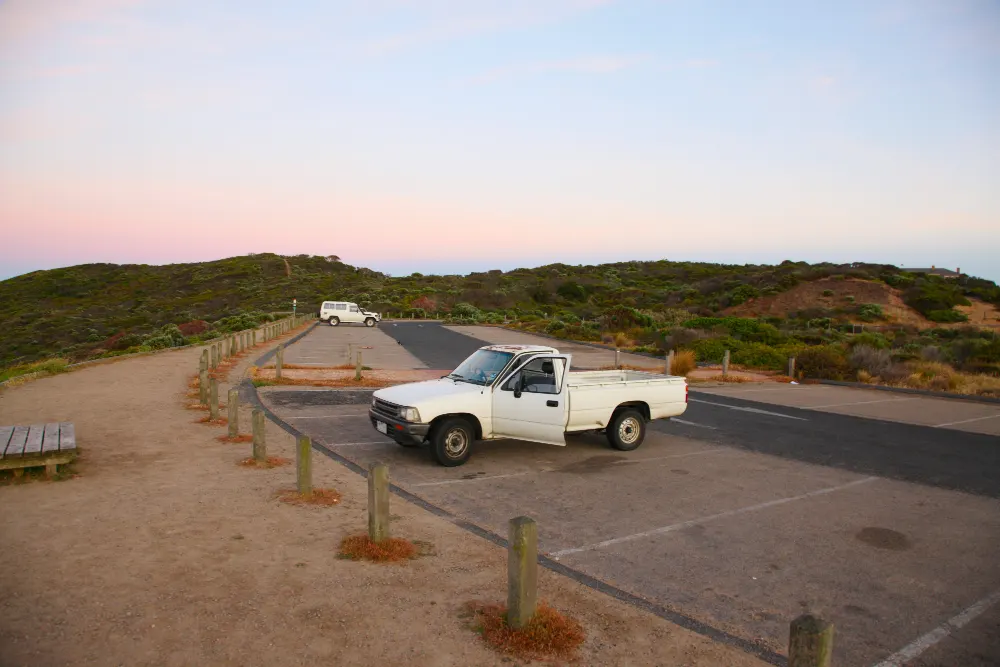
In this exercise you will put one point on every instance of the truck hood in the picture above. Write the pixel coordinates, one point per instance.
(422, 395)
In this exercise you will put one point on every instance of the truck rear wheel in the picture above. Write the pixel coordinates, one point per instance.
(451, 442)
(334, 321)
(627, 430)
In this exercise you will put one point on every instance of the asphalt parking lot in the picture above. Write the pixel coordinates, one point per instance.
(740, 515)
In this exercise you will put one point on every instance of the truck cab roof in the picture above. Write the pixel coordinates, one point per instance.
(520, 349)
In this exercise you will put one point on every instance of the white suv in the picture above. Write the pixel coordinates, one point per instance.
(336, 312)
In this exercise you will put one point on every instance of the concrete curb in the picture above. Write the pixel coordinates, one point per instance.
(918, 392)
(249, 392)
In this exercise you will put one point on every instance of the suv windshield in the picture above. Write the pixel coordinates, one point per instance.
(482, 367)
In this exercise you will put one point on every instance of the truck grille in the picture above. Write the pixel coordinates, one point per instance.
(386, 409)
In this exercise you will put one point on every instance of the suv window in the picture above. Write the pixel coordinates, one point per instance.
(540, 377)
(327, 305)
(341, 306)
(354, 308)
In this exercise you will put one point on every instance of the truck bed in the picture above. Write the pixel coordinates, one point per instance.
(594, 395)
(582, 378)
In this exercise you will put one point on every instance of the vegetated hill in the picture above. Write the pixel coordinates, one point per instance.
(92, 309)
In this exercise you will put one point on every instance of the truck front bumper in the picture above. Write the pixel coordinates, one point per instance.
(402, 432)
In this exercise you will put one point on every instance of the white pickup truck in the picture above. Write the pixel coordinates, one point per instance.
(524, 392)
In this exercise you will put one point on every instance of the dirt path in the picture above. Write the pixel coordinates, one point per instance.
(164, 552)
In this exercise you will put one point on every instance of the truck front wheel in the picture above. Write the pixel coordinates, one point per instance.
(627, 430)
(451, 442)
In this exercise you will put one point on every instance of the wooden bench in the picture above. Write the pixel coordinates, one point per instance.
(37, 445)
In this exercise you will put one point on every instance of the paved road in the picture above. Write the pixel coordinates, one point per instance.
(741, 515)
(436, 346)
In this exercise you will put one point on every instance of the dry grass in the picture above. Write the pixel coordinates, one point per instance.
(780, 378)
(196, 406)
(240, 438)
(549, 635)
(729, 379)
(321, 497)
(194, 382)
(266, 464)
(335, 382)
(390, 550)
(621, 340)
(221, 421)
(684, 363)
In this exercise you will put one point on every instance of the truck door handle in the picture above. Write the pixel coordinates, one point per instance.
(552, 404)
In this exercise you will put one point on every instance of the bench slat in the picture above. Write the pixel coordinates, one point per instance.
(67, 436)
(33, 445)
(16, 445)
(5, 433)
(52, 435)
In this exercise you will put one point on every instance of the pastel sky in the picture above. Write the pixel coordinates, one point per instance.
(456, 135)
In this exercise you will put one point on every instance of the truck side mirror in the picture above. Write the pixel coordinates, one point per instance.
(519, 385)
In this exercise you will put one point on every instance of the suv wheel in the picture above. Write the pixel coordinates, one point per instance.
(370, 322)
(334, 321)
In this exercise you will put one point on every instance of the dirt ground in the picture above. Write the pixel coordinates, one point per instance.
(162, 551)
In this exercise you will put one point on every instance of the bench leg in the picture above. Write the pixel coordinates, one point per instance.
(51, 469)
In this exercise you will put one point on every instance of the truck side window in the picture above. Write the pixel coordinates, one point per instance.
(354, 308)
(540, 377)
(341, 306)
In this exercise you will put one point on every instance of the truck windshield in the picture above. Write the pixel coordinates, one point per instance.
(482, 367)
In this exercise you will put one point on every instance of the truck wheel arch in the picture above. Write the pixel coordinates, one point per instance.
(472, 419)
(641, 406)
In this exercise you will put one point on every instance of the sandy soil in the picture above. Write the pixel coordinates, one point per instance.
(162, 551)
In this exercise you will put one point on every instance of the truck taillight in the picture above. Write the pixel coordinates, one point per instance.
(685, 392)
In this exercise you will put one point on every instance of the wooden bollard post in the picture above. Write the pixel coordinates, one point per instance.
(810, 642)
(670, 362)
(618, 358)
(253, 338)
(725, 364)
(203, 360)
(522, 571)
(203, 386)
(213, 399)
(234, 413)
(303, 465)
(378, 502)
(357, 367)
(259, 443)
(279, 357)
(212, 361)
(791, 367)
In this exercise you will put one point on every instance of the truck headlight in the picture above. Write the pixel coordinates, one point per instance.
(409, 414)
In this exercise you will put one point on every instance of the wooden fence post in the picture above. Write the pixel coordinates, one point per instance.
(253, 338)
(378, 502)
(725, 364)
(203, 386)
(303, 465)
(670, 362)
(213, 399)
(203, 360)
(618, 358)
(357, 367)
(279, 359)
(522, 571)
(234, 413)
(810, 642)
(259, 442)
(791, 367)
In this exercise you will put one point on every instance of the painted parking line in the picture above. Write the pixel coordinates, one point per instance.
(915, 648)
(742, 409)
(840, 405)
(675, 456)
(966, 421)
(706, 519)
(687, 423)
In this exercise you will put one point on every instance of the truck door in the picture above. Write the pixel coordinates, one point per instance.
(530, 403)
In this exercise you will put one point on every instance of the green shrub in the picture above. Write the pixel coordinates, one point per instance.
(713, 349)
(742, 294)
(158, 342)
(828, 292)
(823, 362)
(870, 312)
(466, 311)
(875, 340)
(946, 316)
(45, 367)
(759, 355)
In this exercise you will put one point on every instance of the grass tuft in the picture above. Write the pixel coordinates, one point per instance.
(684, 362)
(321, 497)
(391, 550)
(548, 635)
(731, 379)
(266, 464)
